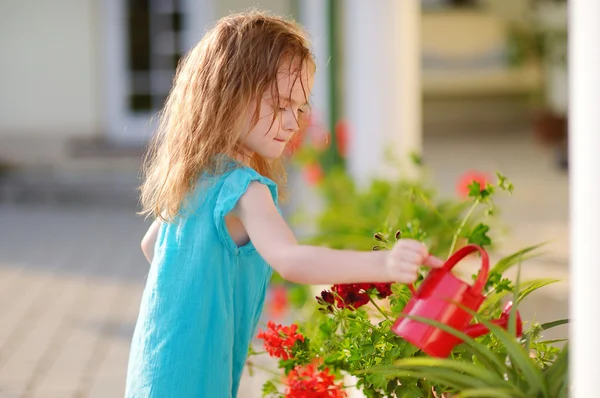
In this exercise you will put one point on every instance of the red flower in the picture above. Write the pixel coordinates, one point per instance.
(313, 174)
(319, 138)
(311, 128)
(295, 142)
(278, 304)
(468, 178)
(308, 382)
(353, 295)
(383, 289)
(342, 137)
(317, 135)
(279, 340)
(328, 299)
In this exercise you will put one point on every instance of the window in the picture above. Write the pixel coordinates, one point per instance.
(153, 50)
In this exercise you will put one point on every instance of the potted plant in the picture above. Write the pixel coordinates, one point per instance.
(346, 343)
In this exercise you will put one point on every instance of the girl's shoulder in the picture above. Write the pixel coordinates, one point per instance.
(230, 182)
(235, 182)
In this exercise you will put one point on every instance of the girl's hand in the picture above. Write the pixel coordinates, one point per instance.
(405, 258)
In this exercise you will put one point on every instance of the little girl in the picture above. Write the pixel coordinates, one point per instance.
(211, 181)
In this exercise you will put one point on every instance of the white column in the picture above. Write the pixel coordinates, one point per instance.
(382, 85)
(306, 199)
(313, 16)
(584, 166)
(199, 17)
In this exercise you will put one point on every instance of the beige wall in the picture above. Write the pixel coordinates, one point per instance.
(48, 68)
(280, 7)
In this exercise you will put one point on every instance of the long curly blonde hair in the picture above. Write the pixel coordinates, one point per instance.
(235, 62)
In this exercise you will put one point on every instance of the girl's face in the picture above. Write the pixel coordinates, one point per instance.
(268, 137)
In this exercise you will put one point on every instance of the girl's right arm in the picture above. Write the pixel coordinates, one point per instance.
(274, 240)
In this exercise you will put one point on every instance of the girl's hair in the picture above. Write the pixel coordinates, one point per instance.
(235, 62)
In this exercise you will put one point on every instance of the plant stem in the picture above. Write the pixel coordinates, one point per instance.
(462, 225)
(368, 324)
(256, 353)
(378, 308)
(432, 207)
(271, 371)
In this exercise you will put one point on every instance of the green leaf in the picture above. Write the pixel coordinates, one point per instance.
(378, 380)
(416, 158)
(481, 351)
(269, 389)
(519, 357)
(479, 236)
(493, 299)
(557, 374)
(553, 341)
(535, 285)
(452, 380)
(488, 392)
(512, 320)
(550, 325)
(470, 373)
(298, 295)
(507, 262)
(475, 189)
(504, 183)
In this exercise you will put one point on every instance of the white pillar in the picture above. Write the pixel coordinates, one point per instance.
(584, 166)
(313, 16)
(382, 85)
(200, 15)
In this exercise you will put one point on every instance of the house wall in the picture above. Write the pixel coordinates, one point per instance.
(279, 7)
(49, 68)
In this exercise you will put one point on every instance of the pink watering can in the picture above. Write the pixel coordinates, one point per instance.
(437, 300)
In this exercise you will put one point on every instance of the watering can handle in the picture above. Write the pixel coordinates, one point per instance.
(459, 255)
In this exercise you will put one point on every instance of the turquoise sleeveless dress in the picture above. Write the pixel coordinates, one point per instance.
(202, 300)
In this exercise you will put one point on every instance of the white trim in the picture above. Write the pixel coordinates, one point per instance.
(200, 14)
(382, 86)
(124, 127)
(584, 166)
(313, 16)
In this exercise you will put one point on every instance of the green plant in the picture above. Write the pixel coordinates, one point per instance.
(524, 368)
(352, 217)
(348, 331)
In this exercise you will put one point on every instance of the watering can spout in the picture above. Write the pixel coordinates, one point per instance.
(479, 329)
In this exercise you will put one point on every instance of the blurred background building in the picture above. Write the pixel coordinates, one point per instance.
(84, 78)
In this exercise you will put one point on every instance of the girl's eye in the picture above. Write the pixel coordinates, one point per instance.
(282, 109)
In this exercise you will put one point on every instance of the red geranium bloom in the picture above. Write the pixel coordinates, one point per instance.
(468, 178)
(319, 138)
(354, 295)
(295, 142)
(279, 340)
(383, 289)
(351, 295)
(317, 134)
(313, 174)
(342, 137)
(278, 304)
(311, 129)
(308, 382)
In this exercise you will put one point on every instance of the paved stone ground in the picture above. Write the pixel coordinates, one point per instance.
(71, 276)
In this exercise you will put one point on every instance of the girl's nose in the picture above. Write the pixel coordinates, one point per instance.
(290, 122)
